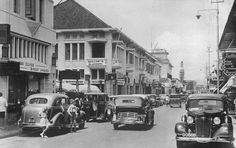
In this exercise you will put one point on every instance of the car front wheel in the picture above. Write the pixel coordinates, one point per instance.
(180, 144)
(115, 126)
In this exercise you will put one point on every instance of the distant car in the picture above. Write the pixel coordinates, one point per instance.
(207, 120)
(175, 100)
(132, 110)
(56, 104)
(97, 107)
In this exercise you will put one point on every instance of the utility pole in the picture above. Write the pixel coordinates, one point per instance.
(209, 69)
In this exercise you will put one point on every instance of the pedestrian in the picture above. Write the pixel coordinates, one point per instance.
(44, 121)
(73, 113)
(3, 110)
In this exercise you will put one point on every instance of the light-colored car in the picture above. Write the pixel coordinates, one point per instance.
(56, 105)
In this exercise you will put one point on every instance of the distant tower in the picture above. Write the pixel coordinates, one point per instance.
(181, 71)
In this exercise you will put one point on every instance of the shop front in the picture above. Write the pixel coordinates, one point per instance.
(27, 77)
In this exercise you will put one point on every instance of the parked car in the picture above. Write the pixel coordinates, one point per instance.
(175, 100)
(155, 102)
(132, 110)
(207, 120)
(56, 106)
(96, 106)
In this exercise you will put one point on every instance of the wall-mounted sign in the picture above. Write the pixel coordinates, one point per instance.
(5, 37)
(27, 64)
(229, 63)
(69, 74)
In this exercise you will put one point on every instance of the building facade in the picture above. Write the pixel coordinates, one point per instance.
(103, 55)
(26, 58)
(166, 70)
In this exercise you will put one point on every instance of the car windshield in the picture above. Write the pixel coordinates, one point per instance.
(128, 101)
(38, 101)
(199, 105)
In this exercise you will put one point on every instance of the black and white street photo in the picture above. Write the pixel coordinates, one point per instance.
(118, 73)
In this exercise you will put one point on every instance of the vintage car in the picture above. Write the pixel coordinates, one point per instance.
(56, 105)
(96, 106)
(207, 120)
(155, 100)
(132, 110)
(175, 100)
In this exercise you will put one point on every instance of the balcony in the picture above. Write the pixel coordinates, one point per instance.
(129, 67)
(116, 64)
(97, 63)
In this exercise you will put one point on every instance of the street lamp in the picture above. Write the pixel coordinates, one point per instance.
(217, 40)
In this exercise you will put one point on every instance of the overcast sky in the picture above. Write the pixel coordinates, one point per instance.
(168, 24)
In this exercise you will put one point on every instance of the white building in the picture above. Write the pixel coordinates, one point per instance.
(98, 51)
(26, 61)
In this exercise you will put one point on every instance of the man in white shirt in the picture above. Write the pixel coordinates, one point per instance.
(3, 109)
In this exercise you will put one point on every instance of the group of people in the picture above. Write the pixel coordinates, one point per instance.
(73, 111)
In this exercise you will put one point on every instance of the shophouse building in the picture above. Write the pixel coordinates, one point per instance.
(227, 49)
(27, 43)
(166, 70)
(103, 55)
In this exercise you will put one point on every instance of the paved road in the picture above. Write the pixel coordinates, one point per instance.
(102, 135)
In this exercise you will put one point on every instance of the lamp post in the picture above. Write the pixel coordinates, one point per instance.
(217, 36)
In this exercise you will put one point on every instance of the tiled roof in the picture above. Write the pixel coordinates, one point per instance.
(71, 15)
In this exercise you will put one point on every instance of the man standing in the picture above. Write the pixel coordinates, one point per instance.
(3, 109)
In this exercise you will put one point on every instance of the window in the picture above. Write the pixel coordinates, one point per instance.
(98, 50)
(56, 50)
(41, 10)
(101, 73)
(81, 73)
(74, 51)
(16, 6)
(94, 73)
(30, 9)
(67, 51)
(81, 51)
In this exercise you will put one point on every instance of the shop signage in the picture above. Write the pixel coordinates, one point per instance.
(5, 37)
(121, 81)
(34, 67)
(229, 63)
(69, 74)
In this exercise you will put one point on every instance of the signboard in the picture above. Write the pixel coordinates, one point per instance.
(229, 63)
(111, 76)
(120, 81)
(69, 74)
(28, 64)
(5, 37)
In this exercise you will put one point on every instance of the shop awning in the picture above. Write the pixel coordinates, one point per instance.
(82, 88)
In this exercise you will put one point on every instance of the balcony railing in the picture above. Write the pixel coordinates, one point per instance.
(129, 67)
(116, 64)
(97, 63)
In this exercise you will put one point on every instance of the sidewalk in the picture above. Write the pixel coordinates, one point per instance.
(9, 130)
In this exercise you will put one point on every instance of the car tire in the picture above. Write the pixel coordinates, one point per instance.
(82, 124)
(115, 126)
(180, 144)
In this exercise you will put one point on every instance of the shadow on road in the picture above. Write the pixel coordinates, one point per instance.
(50, 133)
(209, 145)
(135, 127)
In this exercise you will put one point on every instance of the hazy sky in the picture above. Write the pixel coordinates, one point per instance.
(168, 24)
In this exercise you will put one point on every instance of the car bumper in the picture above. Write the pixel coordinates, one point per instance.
(128, 121)
(202, 140)
(32, 125)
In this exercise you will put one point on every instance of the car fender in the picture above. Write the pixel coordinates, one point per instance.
(226, 130)
(180, 128)
(55, 118)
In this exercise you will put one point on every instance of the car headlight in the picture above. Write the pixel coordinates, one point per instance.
(189, 120)
(216, 120)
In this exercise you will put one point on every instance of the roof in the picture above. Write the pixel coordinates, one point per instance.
(49, 96)
(228, 36)
(71, 15)
(206, 96)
